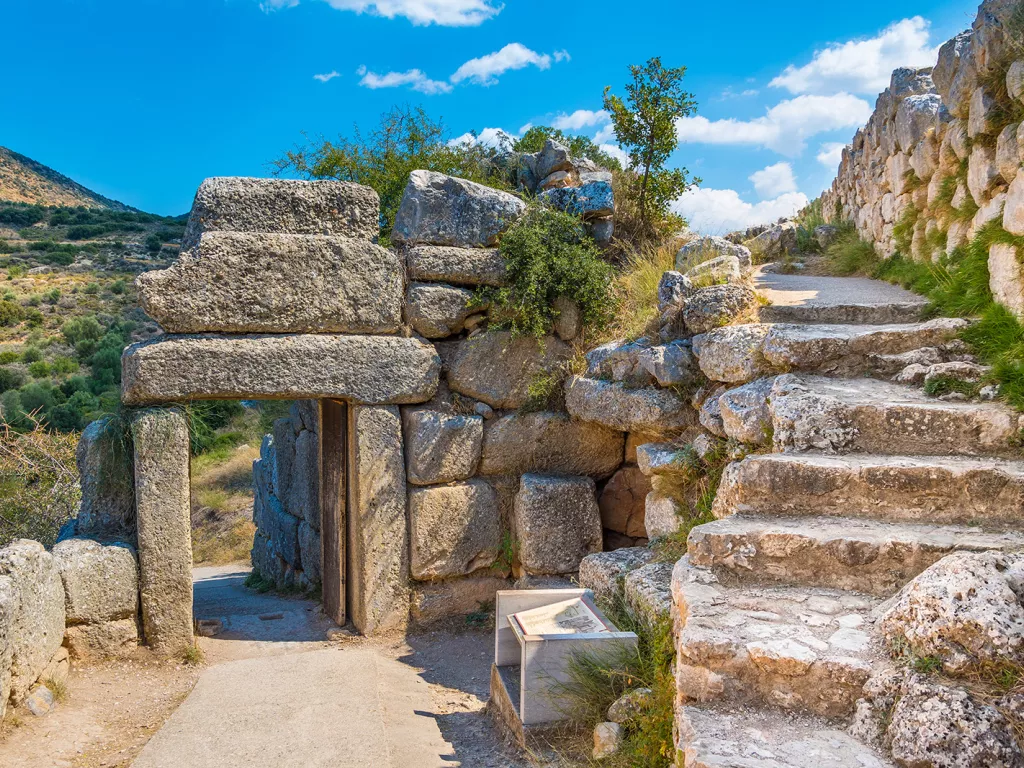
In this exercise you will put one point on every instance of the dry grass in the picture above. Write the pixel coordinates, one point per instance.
(222, 499)
(636, 291)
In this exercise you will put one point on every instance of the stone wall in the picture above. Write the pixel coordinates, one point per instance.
(940, 157)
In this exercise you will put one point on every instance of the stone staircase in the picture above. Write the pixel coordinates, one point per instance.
(859, 485)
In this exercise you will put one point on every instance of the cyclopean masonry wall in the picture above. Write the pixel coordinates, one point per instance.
(940, 157)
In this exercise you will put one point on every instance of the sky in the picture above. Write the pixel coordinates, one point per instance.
(141, 100)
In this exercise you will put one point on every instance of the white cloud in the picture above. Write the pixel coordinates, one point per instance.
(774, 180)
(731, 93)
(606, 134)
(484, 70)
(617, 152)
(497, 138)
(445, 13)
(784, 128)
(580, 119)
(717, 211)
(327, 76)
(831, 154)
(562, 55)
(414, 78)
(862, 66)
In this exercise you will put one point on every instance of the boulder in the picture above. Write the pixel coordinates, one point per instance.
(950, 55)
(629, 410)
(663, 515)
(1006, 280)
(363, 369)
(104, 459)
(310, 552)
(568, 323)
(825, 235)
(603, 572)
(673, 288)
(553, 157)
(719, 305)
(1008, 152)
(101, 582)
(498, 368)
(723, 269)
(435, 311)
(981, 113)
(964, 609)
(620, 360)
(745, 415)
(914, 117)
(607, 740)
(660, 459)
(227, 204)
(453, 529)
(107, 640)
(241, 282)
(622, 502)
(703, 249)
(32, 616)
(439, 447)
(1013, 213)
(549, 442)
(631, 705)
(592, 200)
(648, 592)
(776, 241)
(1015, 80)
(982, 173)
(732, 354)
(671, 365)
(710, 414)
(557, 523)
(443, 210)
(461, 266)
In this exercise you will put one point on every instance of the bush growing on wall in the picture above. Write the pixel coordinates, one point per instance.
(549, 254)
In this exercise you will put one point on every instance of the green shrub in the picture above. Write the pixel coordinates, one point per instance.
(92, 289)
(63, 365)
(10, 378)
(118, 287)
(40, 369)
(31, 354)
(9, 356)
(10, 313)
(549, 254)
(82, 329)
(53, 295)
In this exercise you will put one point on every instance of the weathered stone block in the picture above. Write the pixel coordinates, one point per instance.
(602, 573)
(732, 354)
(622, 502)
(629, 410)
(444, 210)
(363, 369)
(441, 448)
(497, 368)
(558, 523)
(163, 508)
(283, 205)
(378, 533)
(549, 442)
(591, 200)
(433, 601)
(453, 529)
(663, 515)
(461, 266)
(101, 582)
(310, 552)
(104, 459)
(106, 640)
(719, 305)
(239, 282)
(436, 311)
(1006, 280)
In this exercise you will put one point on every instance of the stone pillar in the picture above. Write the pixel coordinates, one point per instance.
(378, 563)
(162, 491)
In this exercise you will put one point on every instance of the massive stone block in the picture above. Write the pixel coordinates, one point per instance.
(498, 368)
(101, 582)
(461, 266)
(31, 614)
(378, 534)
(242, 282)
(444, 210)
(441, 448)
(549, 442)
(1006, 277)
(630, 410)
(436, 311)
(162, 502)
(453, 529)
(557, 523)
(104, 460)
(363, 369)
(231, 204)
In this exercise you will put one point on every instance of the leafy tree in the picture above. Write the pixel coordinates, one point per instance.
(406, 139)
(645, 126)
(10, 378)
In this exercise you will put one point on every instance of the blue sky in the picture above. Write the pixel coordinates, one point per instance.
(143, 99)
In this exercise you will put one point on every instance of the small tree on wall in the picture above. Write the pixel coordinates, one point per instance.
(645, 127)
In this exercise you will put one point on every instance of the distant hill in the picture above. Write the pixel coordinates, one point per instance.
(23, 180)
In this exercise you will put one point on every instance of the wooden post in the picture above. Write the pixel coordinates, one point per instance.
(333, 505)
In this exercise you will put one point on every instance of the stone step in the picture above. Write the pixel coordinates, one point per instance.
(872, 416)
(842, 314)
(939, 490)
(804, 649)
(868, 556)
(755, 738)
(739, 353)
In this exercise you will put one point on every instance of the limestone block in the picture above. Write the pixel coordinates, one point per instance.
(497, 368)
(622, 502)
(453, 529)
(1008, 152)
(746, 417)
(591, 200)
(981, 113)
(163, 506)
(363, 369)
(673, 288)
(32, 615)
(671, 364)
(914, 116)
(310, 552)
(723, 269)
(443, 210)
(441, 448)
(437, 600)
(602, 572)
(106, 640)
(1015, 80)
(460, 266)
(703, 249)
(648, 592)
(101, 582)
(240, 282)
(378, 536)
(557, 522)
(628, 410)
(982, 173)
(990, 211)
(635, 440)
(963, 84)
(549, 442)
(227, 204)
(620, 360)
(436, 311)
(1013, 212)
(719, 305)
(1006, 278)
(663, 515)
(732, 354)
(553, 157)
(568, 323)
(303, 497)
(104, 459)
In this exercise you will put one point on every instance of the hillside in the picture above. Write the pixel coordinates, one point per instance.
(23, 180)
